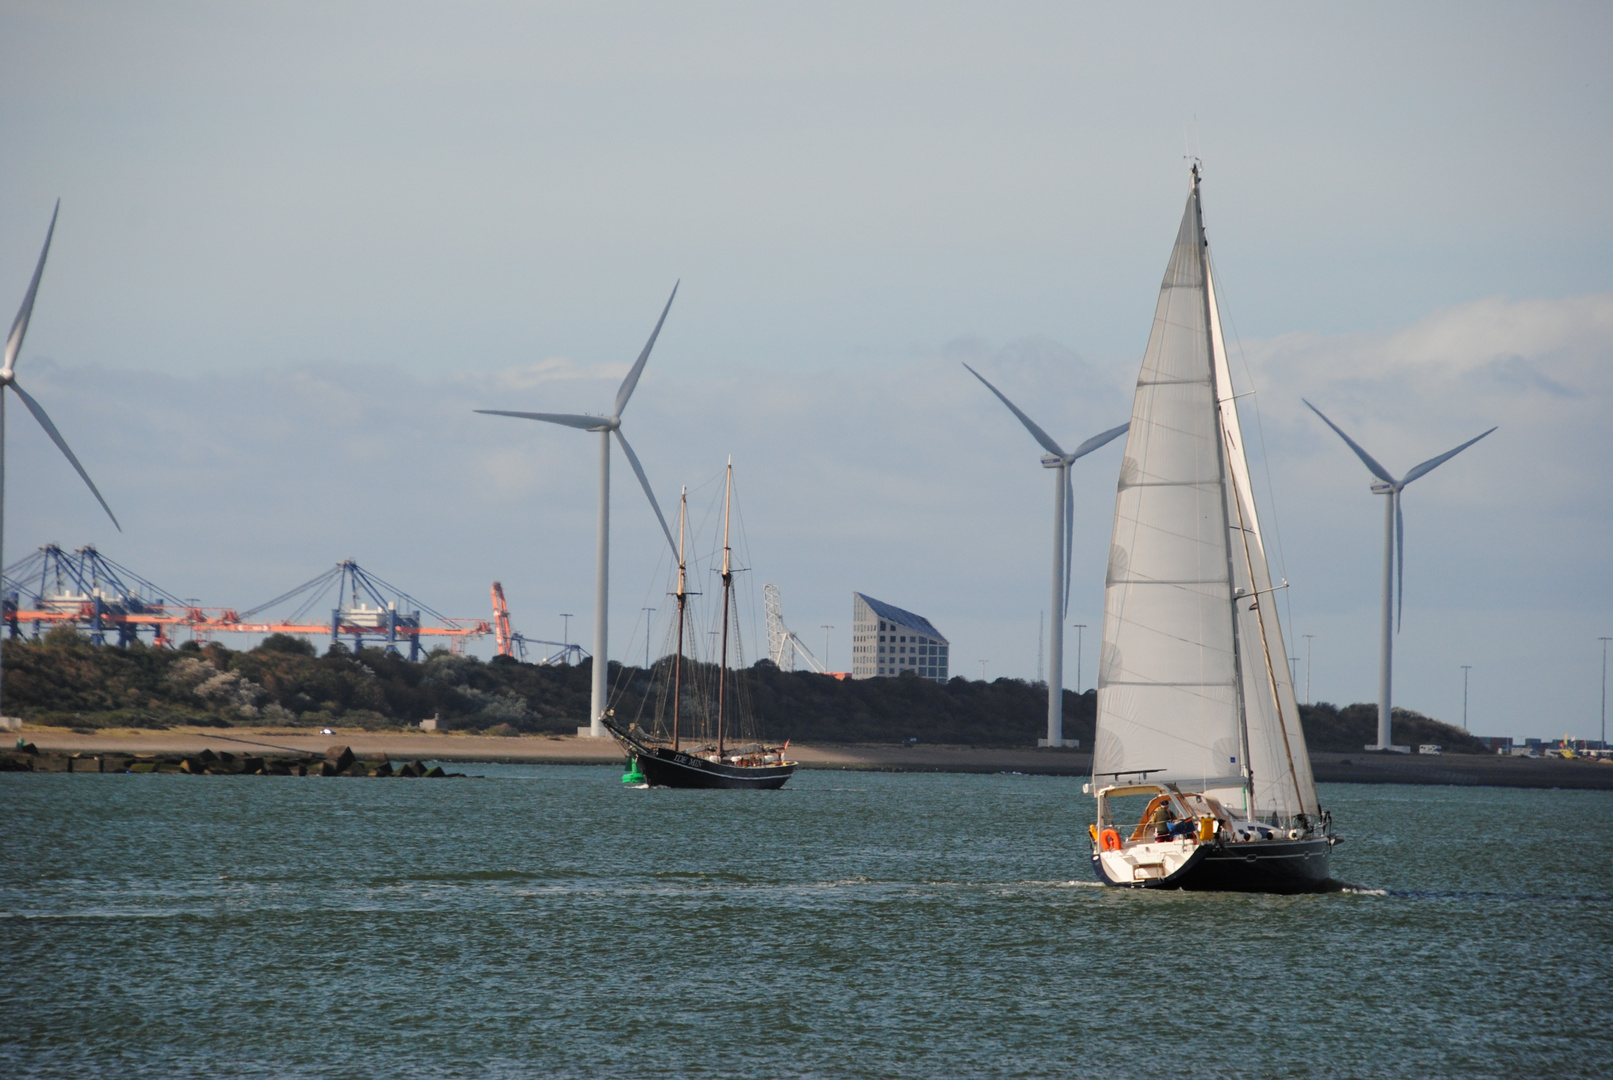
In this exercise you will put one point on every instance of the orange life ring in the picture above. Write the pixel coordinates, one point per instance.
(1109, 840)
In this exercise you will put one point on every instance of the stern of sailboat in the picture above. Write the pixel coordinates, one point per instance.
(1188, 840)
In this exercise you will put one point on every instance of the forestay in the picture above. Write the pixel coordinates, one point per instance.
(1193, 683)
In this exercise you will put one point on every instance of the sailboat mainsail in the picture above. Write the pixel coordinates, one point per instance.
(1193, 681)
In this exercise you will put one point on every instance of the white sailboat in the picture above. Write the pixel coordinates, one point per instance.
(1199, 766)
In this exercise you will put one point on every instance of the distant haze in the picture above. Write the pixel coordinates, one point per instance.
(297, 247)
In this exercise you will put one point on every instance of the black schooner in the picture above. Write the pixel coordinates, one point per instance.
(664, 760)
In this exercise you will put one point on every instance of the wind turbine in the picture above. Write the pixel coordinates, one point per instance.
(606, 426)
(8, 377)
(1394, 556)
(1063, 538)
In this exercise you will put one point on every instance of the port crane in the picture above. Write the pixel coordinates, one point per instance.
(513, 644)
(783, 646)
(86, 588)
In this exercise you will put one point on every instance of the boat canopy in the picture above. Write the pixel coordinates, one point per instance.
(1120, 791)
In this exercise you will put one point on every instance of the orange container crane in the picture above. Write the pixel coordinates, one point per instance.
(52, 587)
(501, 623)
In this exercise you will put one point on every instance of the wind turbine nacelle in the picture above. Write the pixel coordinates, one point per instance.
(1051, 461)
(1382, 489)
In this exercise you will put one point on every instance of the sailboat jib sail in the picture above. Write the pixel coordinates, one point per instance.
(1195, 701)
(1277, 756)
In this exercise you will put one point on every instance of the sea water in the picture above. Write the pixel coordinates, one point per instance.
(548, 921)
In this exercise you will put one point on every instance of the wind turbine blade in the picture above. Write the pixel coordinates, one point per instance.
(1367, 459)
(1069, 536)
(1099, 440)
(644, 481)
(1400, 564)
(1030, 425)
(19, 325)
(1433, 463)
(61, 443)
(587, 423)
(631, 381)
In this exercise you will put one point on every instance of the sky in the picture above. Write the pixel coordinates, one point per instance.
(299, 245)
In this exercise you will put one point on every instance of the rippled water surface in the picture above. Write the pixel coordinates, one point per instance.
(545, 921)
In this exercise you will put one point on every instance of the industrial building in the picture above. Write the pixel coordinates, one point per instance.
(887, 641)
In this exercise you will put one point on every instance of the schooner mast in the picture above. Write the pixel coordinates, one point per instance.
(683, 600)
(727, 586)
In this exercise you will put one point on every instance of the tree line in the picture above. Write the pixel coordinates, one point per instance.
(63, 680)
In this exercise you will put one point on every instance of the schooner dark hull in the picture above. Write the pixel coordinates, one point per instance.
(665, 767)
(1266, 866)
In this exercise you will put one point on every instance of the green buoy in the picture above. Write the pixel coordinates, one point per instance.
(632, 775)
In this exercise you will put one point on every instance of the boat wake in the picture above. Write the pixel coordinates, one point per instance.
(1335, 885)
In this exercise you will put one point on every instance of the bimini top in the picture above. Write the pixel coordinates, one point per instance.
(902, 618)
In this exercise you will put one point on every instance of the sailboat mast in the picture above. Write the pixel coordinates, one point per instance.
(1221, 454)
(683, 599)
(727, 583)
(1265, 647)
(1226, 400)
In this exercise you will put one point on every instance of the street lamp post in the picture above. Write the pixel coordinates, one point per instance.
(1604, 642)
(1465, 669)
(565, 637)
(826, 629)
(1308, 638)
(1079, 627)
(982, 664)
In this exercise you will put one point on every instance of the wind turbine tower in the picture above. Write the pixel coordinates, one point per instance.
(1063, 538)
(1394, 558)
(606, 426)
(8, 378)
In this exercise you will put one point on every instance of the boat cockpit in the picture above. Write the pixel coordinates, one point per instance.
(1133, 814)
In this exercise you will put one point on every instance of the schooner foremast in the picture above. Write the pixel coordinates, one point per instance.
(683, 601)
(1189, 690)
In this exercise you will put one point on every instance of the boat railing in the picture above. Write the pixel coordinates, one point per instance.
(1147, 831)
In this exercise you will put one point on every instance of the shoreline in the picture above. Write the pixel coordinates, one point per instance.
(1327, 767)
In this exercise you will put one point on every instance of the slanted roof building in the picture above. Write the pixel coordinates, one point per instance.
(887, 641)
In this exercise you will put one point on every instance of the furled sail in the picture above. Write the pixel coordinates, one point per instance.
(1193, 683)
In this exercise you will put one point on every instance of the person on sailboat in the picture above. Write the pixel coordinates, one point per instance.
(1162, 820)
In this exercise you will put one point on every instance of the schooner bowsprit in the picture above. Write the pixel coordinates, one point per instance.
(1199, 766)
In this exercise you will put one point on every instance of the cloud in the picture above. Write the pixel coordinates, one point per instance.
(911, 483)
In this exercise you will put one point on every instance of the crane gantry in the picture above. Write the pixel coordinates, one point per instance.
(783, 642)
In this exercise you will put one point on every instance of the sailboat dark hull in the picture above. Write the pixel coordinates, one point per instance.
(664, 767)
(1268, 866)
